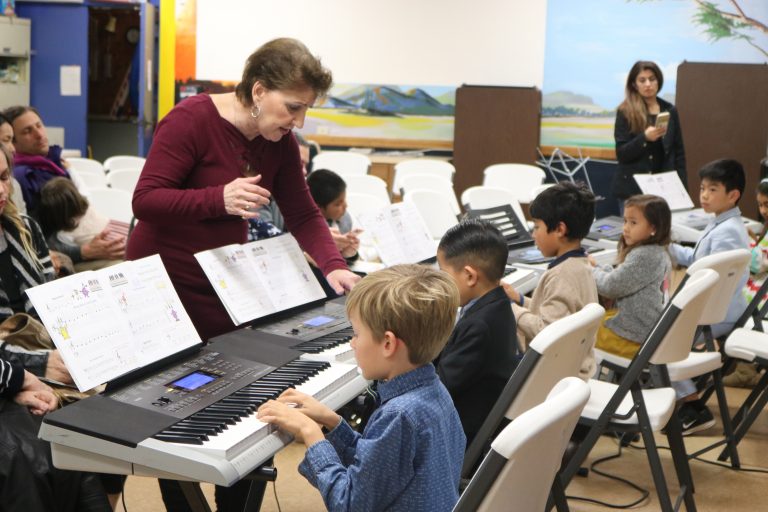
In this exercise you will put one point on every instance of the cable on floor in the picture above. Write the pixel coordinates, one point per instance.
(644, 493)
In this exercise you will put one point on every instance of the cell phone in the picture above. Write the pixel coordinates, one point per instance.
(662, 120)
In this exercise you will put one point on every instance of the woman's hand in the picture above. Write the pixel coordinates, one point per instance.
(104, 247)
(55, 369)
(653, 134)
(342, 280)
(243, 196)
(36, 395)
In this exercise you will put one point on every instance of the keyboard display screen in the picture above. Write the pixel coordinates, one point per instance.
(318, 321)
(193, 381)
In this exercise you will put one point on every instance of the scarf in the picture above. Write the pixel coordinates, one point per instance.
(27, 273)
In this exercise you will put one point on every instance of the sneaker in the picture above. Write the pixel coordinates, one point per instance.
(695, 419)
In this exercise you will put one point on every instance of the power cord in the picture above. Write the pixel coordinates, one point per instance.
(644, 493)
(274, 490)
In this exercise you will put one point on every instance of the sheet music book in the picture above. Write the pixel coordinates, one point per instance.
(399, 234)
(261, 277)
(668, 186)
(108, 322)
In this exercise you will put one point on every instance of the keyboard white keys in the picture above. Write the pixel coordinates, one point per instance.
(249, 430)
(340, 354)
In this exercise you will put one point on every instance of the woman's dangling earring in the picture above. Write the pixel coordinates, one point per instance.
(255, 111)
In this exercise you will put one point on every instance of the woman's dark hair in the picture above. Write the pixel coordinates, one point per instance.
(325, 186)
(633, 107)
(280, 65)
(656, 211)
(61, 206)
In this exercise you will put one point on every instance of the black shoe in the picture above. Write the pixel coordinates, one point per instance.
(695, 419)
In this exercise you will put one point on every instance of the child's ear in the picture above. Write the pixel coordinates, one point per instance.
(470, 275)
(562, 229)
(389, 344)
(734, 196)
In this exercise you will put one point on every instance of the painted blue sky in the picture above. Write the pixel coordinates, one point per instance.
(591, 44)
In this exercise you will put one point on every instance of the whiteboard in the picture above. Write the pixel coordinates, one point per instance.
(403, 42)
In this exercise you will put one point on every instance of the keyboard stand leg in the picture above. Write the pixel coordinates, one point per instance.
(255, 496)
(195, 497)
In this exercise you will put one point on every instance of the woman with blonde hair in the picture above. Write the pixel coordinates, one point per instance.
(643, 145)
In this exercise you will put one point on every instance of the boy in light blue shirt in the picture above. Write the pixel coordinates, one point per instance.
(722, 185)
(409, 456)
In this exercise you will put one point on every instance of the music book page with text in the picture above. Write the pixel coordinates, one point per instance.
(668, 186)
(108, 322)
(261, 277)
(399, 234)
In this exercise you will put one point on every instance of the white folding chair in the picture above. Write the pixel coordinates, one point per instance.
(361, 203)
(367, 184)
(435, 209)
(116, 162)
(86, 165)
(520, 468)
(124, 179)
(89, 180)
(421, 166)
(555, 353)
(343, 163)
(430, 182)
(751, 346)
(112, 203)
(481, 197)
(626, 406)
(730, 266)
(520, 179)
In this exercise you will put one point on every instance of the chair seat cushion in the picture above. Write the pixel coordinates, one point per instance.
(696, 364)
(660, 404)
(747, 344)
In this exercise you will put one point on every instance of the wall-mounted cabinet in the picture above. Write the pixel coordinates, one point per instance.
(14, 61)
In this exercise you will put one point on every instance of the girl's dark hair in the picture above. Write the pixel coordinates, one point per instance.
(61, 205)
(656, 211)
(325, 186)
(633, 107)
(280, 65)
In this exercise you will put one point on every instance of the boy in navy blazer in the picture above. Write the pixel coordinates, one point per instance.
(480, 355)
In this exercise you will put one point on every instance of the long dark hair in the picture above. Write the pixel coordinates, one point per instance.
(633, 107)
(656, 211)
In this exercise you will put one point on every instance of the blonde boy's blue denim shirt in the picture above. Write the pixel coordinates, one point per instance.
(408, 458)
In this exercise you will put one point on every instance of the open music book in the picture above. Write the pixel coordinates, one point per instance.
(668, 186)
(399, 234)
(108, 322)
(261, 277)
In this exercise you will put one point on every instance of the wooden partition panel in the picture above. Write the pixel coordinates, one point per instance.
(493, 125)
(724, 114)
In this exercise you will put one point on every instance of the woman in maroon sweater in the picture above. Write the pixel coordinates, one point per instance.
(216, 159)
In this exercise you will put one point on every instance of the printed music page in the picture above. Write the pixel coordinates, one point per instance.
(261, 277)
(399, 234)
(668, 186)
(106, 323)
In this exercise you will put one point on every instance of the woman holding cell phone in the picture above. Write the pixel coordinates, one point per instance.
(647, 132)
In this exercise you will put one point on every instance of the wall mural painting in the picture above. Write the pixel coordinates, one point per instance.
(586, 63)
(384, 112)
